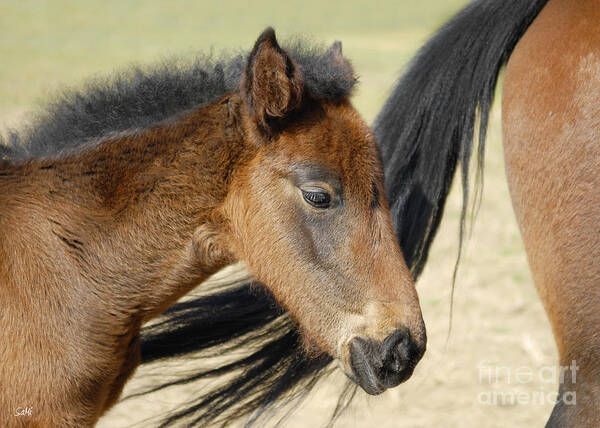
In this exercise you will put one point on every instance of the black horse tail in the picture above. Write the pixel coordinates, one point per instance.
(427, 124)
(262, 365)
(425, 128)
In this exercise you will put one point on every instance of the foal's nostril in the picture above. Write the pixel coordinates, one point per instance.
(377, 365)
(396, 351)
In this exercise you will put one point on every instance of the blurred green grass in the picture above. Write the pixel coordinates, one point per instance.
(49, 44)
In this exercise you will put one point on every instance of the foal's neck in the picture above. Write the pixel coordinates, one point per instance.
(132, 214)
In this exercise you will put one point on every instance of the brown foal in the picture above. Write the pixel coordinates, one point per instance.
(99, 238)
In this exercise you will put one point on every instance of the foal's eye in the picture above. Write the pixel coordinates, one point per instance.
(317, 199)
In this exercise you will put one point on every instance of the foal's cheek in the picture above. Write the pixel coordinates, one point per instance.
(259, 214)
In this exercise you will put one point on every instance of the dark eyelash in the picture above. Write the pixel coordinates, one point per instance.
(317, 199)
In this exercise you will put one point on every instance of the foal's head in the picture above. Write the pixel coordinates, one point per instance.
(309, 216)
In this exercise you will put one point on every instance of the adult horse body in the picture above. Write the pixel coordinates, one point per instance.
(551, 133)
(556, 139)
(119, 201)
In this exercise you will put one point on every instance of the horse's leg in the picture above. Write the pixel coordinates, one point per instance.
(551, 124)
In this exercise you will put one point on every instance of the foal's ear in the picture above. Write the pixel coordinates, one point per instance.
(334, 54)
(335, 51)
(272, 84)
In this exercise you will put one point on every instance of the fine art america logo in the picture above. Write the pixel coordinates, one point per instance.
(506, 383)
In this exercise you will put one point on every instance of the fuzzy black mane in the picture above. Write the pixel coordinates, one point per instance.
(140, 97)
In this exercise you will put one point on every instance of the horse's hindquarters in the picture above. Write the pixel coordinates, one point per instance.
(551, 127)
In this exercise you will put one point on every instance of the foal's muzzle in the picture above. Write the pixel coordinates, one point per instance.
(377, 366)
